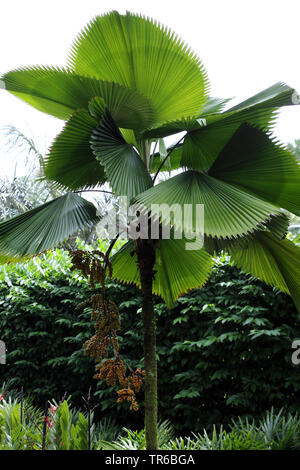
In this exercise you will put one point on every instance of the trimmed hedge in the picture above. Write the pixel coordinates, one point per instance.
(223, 351)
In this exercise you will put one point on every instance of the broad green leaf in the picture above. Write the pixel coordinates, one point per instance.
(96, 107)
(214, 105)
(276, 262)
(125, 170)
(260, 166)
(129, 136)
(215, 246)
(190, 123)
(71, 162)
(45, 227)
(274, 96)
(203, 146)
(173, 127)
(277, 225)
(177, 270)
(228, 211)
(59, 92)
(140, 54)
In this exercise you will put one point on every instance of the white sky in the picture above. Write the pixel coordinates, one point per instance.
(245, 46)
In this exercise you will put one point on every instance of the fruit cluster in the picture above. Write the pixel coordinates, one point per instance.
(106, 318)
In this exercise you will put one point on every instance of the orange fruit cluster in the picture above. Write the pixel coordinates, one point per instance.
(92, 264)
(106, 318)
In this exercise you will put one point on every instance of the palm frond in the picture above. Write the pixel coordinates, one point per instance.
(228, 211)
(44, 227)
(278, 225)
(71, 162)
(177, 270)
(260, 166)
(16, 140)
(60, 92)
(275, 96)
(203, 146)
(125, 170)
(140, 54)
(276, 262)
(189, 123)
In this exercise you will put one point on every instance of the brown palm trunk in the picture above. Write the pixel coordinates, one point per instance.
(146, 260)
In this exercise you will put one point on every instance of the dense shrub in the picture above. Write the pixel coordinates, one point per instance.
(224, 351)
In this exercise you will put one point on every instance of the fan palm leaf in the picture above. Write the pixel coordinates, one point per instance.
(174, 268)
(60, 92)
(276, 262)
(142, 55)
(71, 163)
(125, 170)
(228, 211)
(259, 110)
(44, 227)
(260, 166)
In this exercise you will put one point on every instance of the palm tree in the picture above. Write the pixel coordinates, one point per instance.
(20, 194)
(129, 84)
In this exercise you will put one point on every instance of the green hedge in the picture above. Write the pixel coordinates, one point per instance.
(223, 351)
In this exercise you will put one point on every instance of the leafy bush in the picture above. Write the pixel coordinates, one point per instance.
(275, 431)
(278, 430)
(136, 440)
(64, 428)
(67, 428)
(220, 440)
(224, 351)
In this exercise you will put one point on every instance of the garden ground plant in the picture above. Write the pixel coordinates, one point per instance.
(24, 427)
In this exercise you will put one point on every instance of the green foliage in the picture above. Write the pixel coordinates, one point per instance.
(278, 430)
(21, 194)
(15, 435)
(222, 440)
(120, 97)
(67, 429)
(71, 212)
(275, 431)
(136, 440)
(224, 351)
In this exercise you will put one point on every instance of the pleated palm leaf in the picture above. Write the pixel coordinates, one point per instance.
(128, 84)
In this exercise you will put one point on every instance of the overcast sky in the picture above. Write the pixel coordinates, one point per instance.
(245, 46)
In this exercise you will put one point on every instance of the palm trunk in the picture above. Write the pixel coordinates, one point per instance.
(146, 260)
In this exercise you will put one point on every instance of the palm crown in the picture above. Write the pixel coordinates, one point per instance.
(130, 82)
